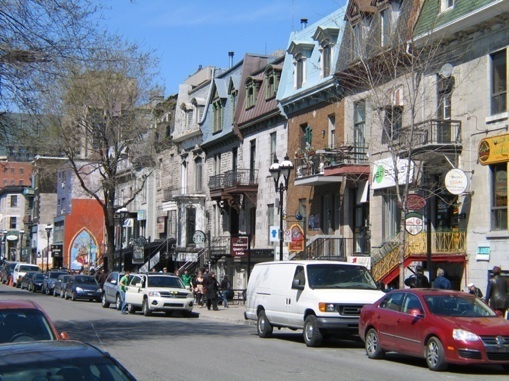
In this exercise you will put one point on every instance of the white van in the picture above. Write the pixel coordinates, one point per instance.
(20, 271)
(320, 297)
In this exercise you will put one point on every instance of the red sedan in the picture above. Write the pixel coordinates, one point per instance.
(25, 320)
(441, 326)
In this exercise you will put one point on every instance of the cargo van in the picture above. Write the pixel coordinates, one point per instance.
(20, 270)
(320, 297)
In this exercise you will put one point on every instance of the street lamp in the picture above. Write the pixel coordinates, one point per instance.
(48, 229)
(21, 234)
(276, 170)
(122, 214)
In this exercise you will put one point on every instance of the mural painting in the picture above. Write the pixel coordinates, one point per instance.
(83, 251)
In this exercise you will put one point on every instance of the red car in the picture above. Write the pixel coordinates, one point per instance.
(25, 320)
(441, 326)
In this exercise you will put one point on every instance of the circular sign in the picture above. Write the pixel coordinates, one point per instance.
(12, 235)
(456, 181)
(199, 236)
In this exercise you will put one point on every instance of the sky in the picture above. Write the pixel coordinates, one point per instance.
(187, 34)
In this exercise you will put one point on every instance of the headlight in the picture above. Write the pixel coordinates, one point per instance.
(327, 307)
(462, 335)
(79, 289)
(154, 293)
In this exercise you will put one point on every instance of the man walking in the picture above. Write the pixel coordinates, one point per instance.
(441, 281)
(124, 281)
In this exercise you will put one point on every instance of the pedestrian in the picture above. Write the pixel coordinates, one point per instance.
(198, 288)
(417, 279)
(496, 293)
(124, 281)
(187, 279)
(211, 288)
(102, 278)
(472, 289)
(165, 270)
(226, 289)
(441, 281)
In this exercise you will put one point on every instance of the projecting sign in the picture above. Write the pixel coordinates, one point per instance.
(456, 181)
(413, 223)
(494, 150)
(384, 174)
(239, 246)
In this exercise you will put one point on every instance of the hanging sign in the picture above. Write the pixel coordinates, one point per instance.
(456, 181)
(413, 223)
(296, 238)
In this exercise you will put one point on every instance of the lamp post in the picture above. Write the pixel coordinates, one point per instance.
(21, 234)
(121, 213)
(48, 229)
(279, 172)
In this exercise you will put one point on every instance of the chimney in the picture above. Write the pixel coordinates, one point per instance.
(230, 54)
(303, 23)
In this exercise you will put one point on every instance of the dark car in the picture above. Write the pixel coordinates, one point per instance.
(26, 279)
(111, 291)
(82, 287)
(441, 326)
(6, 271)
(59, 360)
(59, 287)
(50, 279)
(35, 282)
(25, 321)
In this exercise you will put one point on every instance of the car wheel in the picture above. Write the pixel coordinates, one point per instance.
(47, 291)
(373, 348)
(263, 326)
(118, 302)
(104, 302)
(312, 335)
(131, 309)
(146, 310)
(435, 357)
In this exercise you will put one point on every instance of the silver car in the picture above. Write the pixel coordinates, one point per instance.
(110, 290)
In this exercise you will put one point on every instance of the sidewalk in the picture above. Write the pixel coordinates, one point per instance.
(234, 313)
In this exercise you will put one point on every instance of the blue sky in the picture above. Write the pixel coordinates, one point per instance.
(187, 34)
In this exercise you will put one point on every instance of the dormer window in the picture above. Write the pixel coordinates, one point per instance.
(199, 108)
(446, 5)
(272, 78)
(327, 38)
(252, 89)
(300, 51)
(188, 114)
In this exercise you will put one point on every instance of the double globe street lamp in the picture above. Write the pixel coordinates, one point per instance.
(281, 172)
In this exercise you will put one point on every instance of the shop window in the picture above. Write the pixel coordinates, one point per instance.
(499, 196)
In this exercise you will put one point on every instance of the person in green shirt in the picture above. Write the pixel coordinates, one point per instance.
(187, 279)
(124, 281)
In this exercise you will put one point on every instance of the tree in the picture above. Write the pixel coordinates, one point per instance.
(102, 123)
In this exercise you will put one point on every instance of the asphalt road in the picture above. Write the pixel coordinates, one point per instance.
(198, 348)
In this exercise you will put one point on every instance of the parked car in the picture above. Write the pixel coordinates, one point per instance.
(82, 287)
(111, 290)
(444, 327)
(26, 279)
(158, 292)
(25, 320)
(19, 271)
(59, 288)
(59, 360)
(50, 279)
(6, 271)
(35, 282)
(319, 297)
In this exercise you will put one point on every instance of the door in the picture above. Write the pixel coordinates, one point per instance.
(409, 326)
(294, 303)
(134, 292)
(387, 317)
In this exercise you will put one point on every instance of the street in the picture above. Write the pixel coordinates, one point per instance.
(204, 348)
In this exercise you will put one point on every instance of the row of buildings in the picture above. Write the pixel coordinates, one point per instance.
(394, 116)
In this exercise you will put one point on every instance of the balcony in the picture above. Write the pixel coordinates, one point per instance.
(330, 166)
(172, 194)
(430, 135)
(231, 185)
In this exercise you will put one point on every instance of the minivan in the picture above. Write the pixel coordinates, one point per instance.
(320, 297)
(19, 271)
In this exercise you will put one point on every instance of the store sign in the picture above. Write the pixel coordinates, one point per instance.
(483, 251)
(413, 223)
(415, 202)
(12, 235)
(239, 246)
(456, 181)
(296, 238)
(384, 174)
(56, 251)
(494, 150)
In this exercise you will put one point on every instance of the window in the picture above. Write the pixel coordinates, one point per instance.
(332, 131)
(356, 40)
(270, 222)
(499, 196)
(273, 141)
(252, 161)
(385, 27)
(391, 216)
(359, 123)
(392, 123)
(272, 77)
(199, 175)
(189, 119)
(5, 182)
(190, 224)
(307, 137)
(13, 223)
(250, 97)
(21, 171)
(498, 82)
(20, 182)
(446, 5)
(14, 201)
(326, 60)
(393, 301)
(299, 72)
(217, 107)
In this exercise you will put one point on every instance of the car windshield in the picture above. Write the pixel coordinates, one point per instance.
(24, 325)
(165, 281)
(457, 305)
(38, 276)
(339, 276)
(63, 278)
(28, 268)
(85, 280)
(54, 275)
(96, 368)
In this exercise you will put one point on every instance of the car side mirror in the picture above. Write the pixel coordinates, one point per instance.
(296, 285)
(64, 336)
(417, 312)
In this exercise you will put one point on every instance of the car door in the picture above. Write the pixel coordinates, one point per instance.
(385, 319)
(134, 291)
(294, 308)
(109, 287)
(410, 326)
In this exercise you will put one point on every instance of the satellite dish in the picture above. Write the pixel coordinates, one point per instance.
(445, 70)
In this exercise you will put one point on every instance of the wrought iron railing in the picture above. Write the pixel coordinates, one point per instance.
(234, 178)
(314, 162)
(337, 248)
(431, 132)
